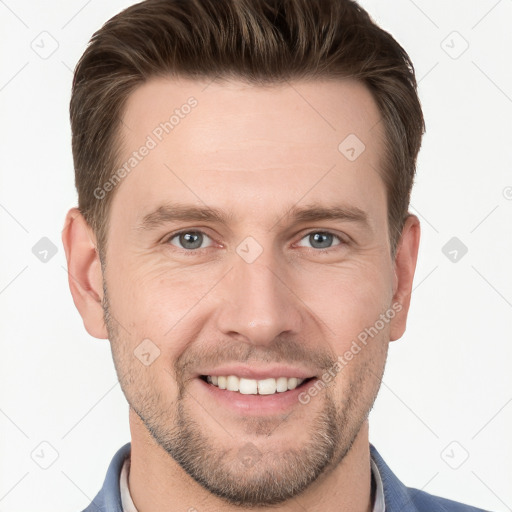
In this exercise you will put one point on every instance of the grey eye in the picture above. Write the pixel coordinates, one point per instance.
(189, 240)
(321, 239)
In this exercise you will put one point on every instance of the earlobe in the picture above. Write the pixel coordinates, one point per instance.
(84, 272)
(405, 266)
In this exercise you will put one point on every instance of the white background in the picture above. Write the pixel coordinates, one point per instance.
(448, 381)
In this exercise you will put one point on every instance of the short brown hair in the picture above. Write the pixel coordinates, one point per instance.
(257, 41)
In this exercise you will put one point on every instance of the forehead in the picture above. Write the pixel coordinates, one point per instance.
(216, 142)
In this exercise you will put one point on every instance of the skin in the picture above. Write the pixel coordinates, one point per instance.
(255, 152)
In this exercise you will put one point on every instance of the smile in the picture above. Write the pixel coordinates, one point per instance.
(269, 386)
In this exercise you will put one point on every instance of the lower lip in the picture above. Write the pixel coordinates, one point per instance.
(254, 405)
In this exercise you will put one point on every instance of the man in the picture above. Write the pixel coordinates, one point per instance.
(242, 238)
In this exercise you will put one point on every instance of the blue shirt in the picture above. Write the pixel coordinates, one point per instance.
(397, 497)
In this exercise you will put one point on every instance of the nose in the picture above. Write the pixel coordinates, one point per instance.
(258, 302)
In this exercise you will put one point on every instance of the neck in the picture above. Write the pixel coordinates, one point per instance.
(157, 482)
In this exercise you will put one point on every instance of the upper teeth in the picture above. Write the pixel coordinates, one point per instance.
(254, 387)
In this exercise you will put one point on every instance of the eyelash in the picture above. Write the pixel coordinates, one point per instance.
(192, 252)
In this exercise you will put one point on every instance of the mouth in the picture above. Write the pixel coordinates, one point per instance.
(253, 398)
(244, 386)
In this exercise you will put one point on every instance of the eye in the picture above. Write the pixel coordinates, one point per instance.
(189, 240)
(322, 240)
(193, 240)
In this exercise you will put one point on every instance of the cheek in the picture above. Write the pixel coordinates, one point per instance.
(347, 299)
(159, 303)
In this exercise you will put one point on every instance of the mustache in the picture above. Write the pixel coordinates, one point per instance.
(283, 350)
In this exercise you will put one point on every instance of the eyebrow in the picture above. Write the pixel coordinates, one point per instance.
(170, 212)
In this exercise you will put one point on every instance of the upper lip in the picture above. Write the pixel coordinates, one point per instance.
(253, 372)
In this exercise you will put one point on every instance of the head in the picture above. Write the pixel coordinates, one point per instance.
(244, 171)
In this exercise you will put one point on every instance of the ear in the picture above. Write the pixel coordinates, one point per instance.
(84, 272)
(405, 265)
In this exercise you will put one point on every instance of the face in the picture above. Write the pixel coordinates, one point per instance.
(247, 243)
